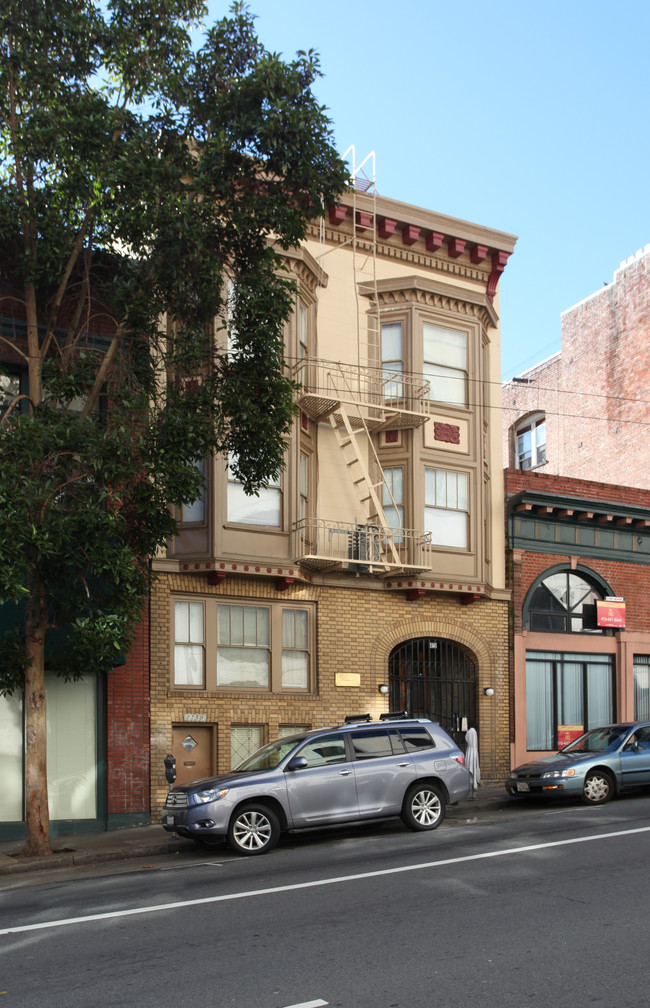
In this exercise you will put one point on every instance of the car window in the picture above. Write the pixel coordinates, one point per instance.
(598, 740)
(324, 751)
(371, 744)
(643, 737)
(416, 739)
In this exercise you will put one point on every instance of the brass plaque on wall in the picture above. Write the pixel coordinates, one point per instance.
(347, 679)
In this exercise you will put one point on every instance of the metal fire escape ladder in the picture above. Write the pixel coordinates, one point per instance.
(367, 491)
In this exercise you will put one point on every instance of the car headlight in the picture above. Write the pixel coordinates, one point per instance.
(560, 773)
(210, 794)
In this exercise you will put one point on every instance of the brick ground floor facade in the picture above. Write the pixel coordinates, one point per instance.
(355, 639)
(580, 555)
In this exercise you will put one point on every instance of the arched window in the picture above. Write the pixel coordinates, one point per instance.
(563, 601)
(530, 442)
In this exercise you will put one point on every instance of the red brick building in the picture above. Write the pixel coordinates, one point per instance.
(585, 411)
(579, 555)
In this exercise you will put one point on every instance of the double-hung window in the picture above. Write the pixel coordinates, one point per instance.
(189, 644)
(446, 512)
(265, 508)
(392, 361)
(243, 646)
(295, 649)
(531, 443)
(444, 353)
(393, 496)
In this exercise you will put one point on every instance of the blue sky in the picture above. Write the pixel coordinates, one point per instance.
(527, 117)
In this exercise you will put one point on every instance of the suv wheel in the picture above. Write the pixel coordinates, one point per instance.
(254, 829)
(423, 808)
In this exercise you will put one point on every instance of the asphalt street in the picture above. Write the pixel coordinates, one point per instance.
(543, 906)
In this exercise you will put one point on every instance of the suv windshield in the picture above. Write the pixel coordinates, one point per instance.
(268, 757)
(598, 740)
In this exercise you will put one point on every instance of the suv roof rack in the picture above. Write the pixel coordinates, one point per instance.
(394, 715)
(356, 718)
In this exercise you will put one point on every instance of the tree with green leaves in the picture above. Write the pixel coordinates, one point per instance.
(147, 190)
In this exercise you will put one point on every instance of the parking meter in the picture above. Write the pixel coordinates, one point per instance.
(170, 768)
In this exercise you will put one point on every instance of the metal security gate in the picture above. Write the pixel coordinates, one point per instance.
(435, 678)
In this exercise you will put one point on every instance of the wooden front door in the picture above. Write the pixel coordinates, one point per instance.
(193, 749)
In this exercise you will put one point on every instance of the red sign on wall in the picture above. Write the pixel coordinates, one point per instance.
(611, 613)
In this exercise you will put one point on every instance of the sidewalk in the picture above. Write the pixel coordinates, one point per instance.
(151, 841)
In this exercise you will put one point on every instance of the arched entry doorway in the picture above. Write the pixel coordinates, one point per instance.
(436, 678)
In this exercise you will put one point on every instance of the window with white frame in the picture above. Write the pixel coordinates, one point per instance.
(446, 512)
(392, 361)
(303, 331)
(303, 486)
(393, 496)
(265, 508)
(189, 644)
(444, 353)
(222, 644)
(530, 443)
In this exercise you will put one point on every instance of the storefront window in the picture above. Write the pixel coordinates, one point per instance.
(642, 687)
(566, 695)
(71, 751)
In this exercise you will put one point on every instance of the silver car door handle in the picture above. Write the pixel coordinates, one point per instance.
(403, 764)
(344, 773)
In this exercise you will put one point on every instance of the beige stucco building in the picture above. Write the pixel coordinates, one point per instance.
(372, 577)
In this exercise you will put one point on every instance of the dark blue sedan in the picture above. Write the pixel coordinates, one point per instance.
(596, 767)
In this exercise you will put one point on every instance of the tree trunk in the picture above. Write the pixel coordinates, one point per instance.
(37, 815)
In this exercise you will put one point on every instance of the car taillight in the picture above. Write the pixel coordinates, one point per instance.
(460, 759)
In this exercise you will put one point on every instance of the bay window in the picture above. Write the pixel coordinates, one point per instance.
(446, 512)
(444, 353)
(264, 508)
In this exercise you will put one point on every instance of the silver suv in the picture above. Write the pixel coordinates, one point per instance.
(398, 766)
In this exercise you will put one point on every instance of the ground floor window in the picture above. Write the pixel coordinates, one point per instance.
(566, 694)
(234, 645)
(244, 741)
(642, 687)
(71, 751)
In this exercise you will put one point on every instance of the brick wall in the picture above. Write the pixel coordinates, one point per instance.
(127, 730)
(596, 392)
(356, 631)
(628, 580)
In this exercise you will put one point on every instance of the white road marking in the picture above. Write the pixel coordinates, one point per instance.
(225, 898)
(309, 1004)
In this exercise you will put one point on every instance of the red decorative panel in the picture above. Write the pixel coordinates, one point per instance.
(446, 432)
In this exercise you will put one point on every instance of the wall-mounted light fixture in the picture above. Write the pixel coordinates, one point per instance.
(488, 691)
(383, 688)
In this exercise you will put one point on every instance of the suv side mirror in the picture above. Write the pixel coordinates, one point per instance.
(297, 763)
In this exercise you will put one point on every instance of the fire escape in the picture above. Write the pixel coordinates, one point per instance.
(359, 402)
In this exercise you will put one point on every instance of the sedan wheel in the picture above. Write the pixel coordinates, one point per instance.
(423, 808)
(254, 829)
(598, 788)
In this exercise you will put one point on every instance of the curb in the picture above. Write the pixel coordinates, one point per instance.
(18, 866)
